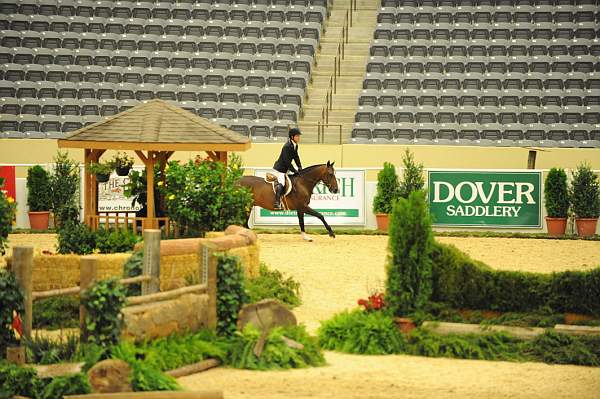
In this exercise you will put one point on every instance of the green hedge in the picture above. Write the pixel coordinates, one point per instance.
(463, 282)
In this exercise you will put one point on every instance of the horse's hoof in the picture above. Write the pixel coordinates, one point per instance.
(331, 234)
(307, 238)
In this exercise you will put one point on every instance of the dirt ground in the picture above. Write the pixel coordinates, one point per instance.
(334, 273)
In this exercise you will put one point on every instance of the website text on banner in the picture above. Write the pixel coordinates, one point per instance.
(344, 208)
(485, 198)
(111, 196)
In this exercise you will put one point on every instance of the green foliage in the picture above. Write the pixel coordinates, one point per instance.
(273, 284)
(412, 177)
(101, 168)
(462, 282)
(388, 189)
(64, 183)
(7, 214)
(146, 378)
(11, 300)
(103, 303)
(276, 354)
(56, 312)
(231, 295)
(73, 384)
(174, 351)
(408, 286)
(370, 333)
(15, 380)
(122, 160)
(44, 350)
(76, 238)
(133, 268)
(555, 348)
(205, 196)
(585, 192)
(114, 241)
(493, 346)
(38, 189)
(556, 193)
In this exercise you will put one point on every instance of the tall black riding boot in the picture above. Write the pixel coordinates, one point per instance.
(278, 193)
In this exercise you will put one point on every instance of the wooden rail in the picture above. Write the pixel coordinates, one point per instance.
(122, 220)
(337, 72)
(163, 296)
(77, 290)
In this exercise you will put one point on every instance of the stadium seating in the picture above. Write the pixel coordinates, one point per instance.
(243, 63)
(483, 72)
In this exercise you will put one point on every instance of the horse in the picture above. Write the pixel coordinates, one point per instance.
(298, 199)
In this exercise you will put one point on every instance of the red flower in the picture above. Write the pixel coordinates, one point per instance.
(17, 325)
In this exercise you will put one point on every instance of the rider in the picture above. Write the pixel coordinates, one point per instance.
(289, 152)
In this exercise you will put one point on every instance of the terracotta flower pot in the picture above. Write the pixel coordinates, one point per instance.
(586, 227)
(382, 221)
(405, 325)
(39, 220)
(556, 226)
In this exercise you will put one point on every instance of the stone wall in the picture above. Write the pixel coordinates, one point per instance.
(160, 319)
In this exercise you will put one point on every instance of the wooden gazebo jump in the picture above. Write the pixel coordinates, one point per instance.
(154, 131)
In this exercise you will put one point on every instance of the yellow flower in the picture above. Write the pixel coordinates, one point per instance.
(172, 196)
(10, 200)
(160, 183)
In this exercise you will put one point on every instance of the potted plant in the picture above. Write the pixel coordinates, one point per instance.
(122, 163)
(585, 197)
(388, 189)
(38, 197)
(102, 170)
(556, 200)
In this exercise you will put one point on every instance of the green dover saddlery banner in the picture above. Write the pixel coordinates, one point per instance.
(485, 198)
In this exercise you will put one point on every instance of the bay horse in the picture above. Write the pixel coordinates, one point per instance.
(298, 199)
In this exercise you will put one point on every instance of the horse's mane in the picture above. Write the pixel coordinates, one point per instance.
(308, 169)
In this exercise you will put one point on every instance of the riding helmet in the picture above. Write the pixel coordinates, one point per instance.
(294, 131)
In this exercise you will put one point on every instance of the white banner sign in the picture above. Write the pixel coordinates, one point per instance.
(347, 207)
(111, 196)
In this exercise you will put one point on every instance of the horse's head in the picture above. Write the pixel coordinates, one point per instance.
(329, 178)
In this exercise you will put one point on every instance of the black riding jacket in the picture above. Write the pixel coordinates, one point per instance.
(289, 152)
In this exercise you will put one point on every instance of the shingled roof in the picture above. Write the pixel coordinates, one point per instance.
(156, 125)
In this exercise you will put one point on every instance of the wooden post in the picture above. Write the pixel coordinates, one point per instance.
(88, 271)
(151, 265)
(208, 276)
(16, 355)
(151, 215)
(531, 159)
(22, 267)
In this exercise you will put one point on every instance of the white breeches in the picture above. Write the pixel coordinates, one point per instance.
(280, 177)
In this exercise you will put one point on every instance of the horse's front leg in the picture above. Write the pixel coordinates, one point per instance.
(316, 214)
(305, 236)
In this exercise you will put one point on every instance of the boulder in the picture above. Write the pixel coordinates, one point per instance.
(265, 315)
(110, 376)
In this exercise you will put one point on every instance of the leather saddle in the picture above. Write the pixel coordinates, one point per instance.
(272, 180)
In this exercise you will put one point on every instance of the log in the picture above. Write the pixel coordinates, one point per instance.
(57, 292)
(22, 267)
(151, 395)
(194, 368)
(133, 280)
(56, 370)
(180, 246)
(151, 265)
(164, 296)
(443, 328)
(16, 355)
(576, 330)
(250, 236)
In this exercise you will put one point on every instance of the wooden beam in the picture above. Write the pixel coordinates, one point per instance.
(141, 155)
(194, 368)
(151, 213)
(87, 159)
(151, 395)
(212, 155)
(167, 295)
(143, 146)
